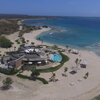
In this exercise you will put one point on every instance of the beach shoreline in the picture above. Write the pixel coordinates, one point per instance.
(93, 60)
(72, 87)
(33, 35)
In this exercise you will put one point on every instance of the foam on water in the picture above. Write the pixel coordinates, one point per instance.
(77, 32)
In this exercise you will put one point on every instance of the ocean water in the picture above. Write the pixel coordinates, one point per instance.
(78, 32)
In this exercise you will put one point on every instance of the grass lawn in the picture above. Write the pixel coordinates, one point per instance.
(37, 78)
(53, 69)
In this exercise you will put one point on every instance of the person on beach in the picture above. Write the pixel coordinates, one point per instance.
(52, 79)
(65, 70)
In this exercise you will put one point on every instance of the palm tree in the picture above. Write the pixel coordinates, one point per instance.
(76, 61)
(52, 78)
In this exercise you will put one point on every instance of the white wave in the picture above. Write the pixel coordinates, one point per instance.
(51, 33)
(63, 30)
(97, 45)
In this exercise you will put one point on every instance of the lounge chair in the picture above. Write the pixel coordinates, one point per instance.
(73, 72)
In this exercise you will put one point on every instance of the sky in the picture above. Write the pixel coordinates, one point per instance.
(51, 7)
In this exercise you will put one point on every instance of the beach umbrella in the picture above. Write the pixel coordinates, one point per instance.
(84, 62)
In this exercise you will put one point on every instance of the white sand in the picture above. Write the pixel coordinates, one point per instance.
(33, 34)
(28, 36)
(72, 87)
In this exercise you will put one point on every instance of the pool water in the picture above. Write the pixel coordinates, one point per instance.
(55, 57)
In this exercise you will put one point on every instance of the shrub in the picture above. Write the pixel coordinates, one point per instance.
(32, 43)
(8, 26)
(5, 43)
(27, 41)
(37, 78)
(7, 83)
(17, 41)
(23, 40)
(55, 47)
(42, 80)
(96, 98)
(23, 76)
(9, 71)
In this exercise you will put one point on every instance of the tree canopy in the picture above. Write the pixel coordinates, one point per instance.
(4, 42)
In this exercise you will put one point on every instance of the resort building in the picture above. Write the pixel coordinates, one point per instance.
(29, 55)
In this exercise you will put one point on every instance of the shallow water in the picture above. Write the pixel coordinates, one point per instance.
(80, 32)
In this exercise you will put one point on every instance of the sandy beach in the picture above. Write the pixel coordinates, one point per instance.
(75, 86)
(33, 34)
(72, 87)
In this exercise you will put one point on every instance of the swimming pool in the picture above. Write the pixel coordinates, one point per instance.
(55, 57)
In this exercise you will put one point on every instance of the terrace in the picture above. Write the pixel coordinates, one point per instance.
(29, 55)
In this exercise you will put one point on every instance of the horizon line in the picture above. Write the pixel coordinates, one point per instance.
(45, 15)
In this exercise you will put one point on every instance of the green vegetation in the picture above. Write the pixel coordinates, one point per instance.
(8, 26)
(27, 41)
(32, 43)
(42, 80)
(37, 78)
(55, 47)
(7, 83)
(27, 29)
(35, 72)
(96, 98)
(45, 26)
(5, 43)
(52, 69)
(23, 40)
(23, 76)
(9, 71)
(17, 41)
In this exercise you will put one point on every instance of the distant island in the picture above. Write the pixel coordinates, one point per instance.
(19, 16)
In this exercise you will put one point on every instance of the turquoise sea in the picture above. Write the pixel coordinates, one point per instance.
(78, 32)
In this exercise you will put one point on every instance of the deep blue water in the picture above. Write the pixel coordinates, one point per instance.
(80, 32)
